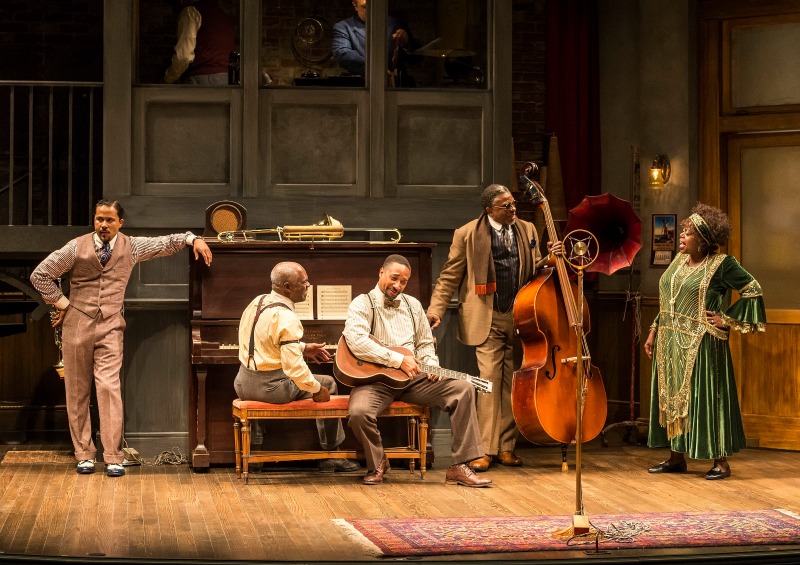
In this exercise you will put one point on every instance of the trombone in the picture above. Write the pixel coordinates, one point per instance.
(326, 229)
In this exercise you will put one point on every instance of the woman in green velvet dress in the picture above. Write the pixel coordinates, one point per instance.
(694, 404)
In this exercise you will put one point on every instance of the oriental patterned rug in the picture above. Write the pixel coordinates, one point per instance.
(447, 536)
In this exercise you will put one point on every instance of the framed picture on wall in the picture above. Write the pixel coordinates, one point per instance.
(665, 239)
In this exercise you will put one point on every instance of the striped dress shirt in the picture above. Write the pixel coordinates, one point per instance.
(62, 261)
(405, 326)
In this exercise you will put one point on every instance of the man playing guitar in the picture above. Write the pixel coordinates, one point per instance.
(397, 320)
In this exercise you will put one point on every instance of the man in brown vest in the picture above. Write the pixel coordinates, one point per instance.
(99, 266)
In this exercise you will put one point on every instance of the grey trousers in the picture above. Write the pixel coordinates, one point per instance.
(453, 396)
(277, 388)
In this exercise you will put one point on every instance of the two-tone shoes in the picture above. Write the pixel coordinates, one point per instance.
(85, 467)
(716, 474)
(115, 470)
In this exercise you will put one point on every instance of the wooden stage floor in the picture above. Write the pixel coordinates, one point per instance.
(158, 513)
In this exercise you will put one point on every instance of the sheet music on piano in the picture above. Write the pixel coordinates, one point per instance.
(333, 301)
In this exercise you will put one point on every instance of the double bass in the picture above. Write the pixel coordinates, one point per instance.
(552, 325)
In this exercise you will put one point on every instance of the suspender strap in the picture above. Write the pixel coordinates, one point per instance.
(413, 322)
(259, 309)
(410, 313)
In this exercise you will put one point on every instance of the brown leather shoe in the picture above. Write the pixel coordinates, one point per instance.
(461, 474)
(376, 477)
(481, 463)
(508, 458)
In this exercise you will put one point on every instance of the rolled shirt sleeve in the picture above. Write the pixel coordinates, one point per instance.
(188, 25)
(54, 266)
(292, 361)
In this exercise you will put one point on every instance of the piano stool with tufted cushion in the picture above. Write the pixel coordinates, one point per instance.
(246, 410)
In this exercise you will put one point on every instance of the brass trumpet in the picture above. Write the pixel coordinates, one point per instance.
(326, 229)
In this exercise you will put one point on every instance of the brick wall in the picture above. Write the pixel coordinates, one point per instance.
(528, 72)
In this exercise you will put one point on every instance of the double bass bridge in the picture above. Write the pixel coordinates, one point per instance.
(565, 360)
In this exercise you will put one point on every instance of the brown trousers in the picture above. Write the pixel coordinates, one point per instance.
(495, 358)
(92, 351)
(453, 396)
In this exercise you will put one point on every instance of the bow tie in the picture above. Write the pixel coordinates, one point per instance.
(391, 303)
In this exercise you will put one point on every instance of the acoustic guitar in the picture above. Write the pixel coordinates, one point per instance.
(352, 371)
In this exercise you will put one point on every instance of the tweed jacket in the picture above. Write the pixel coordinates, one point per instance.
(474, 310)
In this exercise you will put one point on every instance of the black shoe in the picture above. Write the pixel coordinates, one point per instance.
(666, 467)
(716, 474)
(333, 465)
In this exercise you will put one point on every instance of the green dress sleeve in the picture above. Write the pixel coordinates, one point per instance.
(747, 314)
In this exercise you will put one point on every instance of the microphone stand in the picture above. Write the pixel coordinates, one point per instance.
(580, 257)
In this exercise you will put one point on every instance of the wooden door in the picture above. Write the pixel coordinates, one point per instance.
(763, 175)
(749, 156)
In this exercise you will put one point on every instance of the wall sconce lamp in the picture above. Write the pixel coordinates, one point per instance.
(659, 171)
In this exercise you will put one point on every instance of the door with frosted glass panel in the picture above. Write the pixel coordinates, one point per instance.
(764, 204)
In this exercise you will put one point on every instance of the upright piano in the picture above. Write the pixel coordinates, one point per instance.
(219, 294)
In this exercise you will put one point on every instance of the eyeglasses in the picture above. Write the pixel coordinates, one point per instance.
(508, 206)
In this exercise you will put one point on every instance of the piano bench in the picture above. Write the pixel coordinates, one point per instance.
(246, 410)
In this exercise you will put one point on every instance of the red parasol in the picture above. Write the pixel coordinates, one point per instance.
(616, 226)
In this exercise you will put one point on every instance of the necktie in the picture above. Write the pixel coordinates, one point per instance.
(505, 235)
(105, 254)
(390, 303)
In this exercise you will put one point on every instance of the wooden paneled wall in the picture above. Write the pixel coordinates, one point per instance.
(32, 398)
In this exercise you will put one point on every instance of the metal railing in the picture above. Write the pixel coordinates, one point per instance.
(51, 152)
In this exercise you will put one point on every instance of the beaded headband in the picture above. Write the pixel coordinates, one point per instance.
(702, 228)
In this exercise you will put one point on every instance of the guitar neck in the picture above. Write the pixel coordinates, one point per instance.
(442, 372)
(481, 384)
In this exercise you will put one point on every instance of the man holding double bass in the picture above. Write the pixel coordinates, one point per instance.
(490, 259)
(397, 320)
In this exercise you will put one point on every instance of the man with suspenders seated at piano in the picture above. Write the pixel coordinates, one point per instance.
(271, 355)
(398, 321)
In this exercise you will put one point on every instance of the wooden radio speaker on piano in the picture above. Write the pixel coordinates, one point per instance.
(225, 216)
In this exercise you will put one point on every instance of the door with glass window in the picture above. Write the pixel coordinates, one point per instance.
(749, 119)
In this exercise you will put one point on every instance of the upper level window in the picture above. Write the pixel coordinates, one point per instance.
(425, 43)
(437, 44)
(193, 42)
(300, 39)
